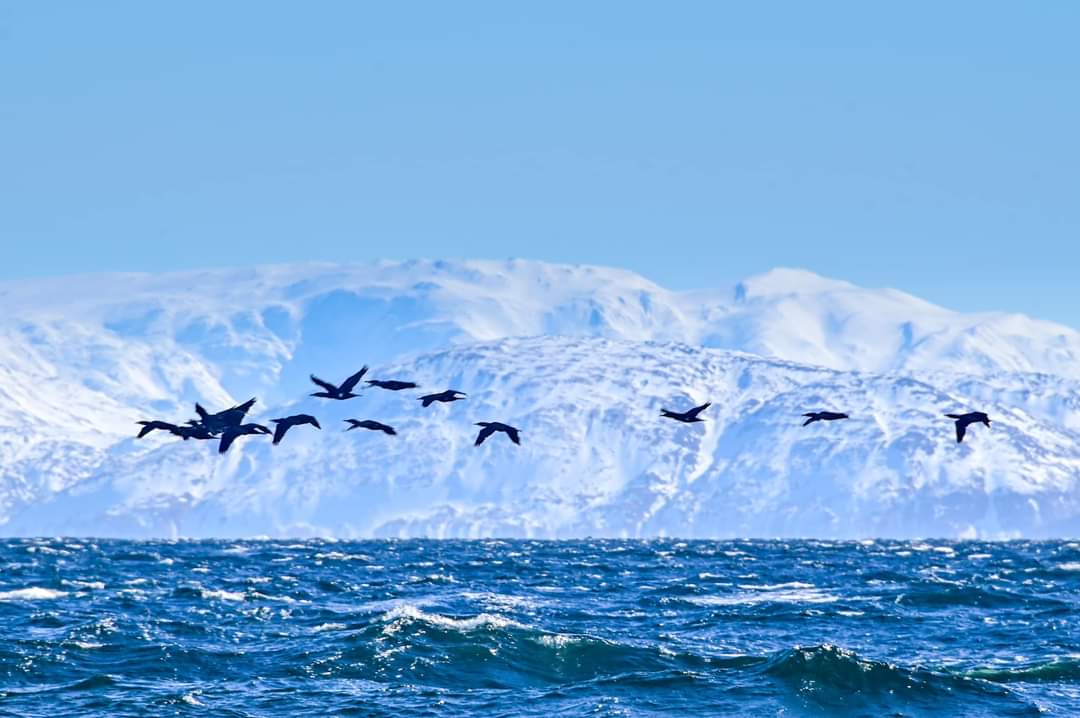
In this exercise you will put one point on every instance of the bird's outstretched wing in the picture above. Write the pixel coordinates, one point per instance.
(961, 428)
(245, 407)
(484, 434)
(513, 434)
(313, 421)
(698, 409)
(279, 430)
(201, 411)
(353, 380)
(427, 400)
(226, 441)
(379, 426)
(324, 384)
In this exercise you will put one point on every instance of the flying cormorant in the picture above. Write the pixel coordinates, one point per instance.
(962, 421)
(443, 396)
(219, 422)
(823, 416)
(345, 391)
(687, 417)
(230, 435)
(372, 425)
(490, 427)
(148, 426)
(283, 425)
(392, 385)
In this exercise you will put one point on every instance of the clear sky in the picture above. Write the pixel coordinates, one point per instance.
(931, 146)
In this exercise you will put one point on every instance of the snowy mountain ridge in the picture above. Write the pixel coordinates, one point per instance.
(581, 358)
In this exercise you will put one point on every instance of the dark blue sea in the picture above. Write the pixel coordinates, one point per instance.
(529, 628)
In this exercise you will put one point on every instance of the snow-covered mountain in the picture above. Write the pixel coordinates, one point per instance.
(581, 358)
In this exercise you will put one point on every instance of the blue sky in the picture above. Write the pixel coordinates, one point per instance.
(928, 146)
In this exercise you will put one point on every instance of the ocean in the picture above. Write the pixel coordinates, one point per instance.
(534, 628)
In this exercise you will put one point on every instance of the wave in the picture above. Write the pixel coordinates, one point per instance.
(33, 593)
(1057, 670)
(841, 681)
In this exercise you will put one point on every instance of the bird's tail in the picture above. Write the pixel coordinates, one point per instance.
(809, 421)
(201, 411)
(953, 416)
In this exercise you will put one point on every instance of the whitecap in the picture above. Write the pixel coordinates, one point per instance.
(324, 627)
(776, 586)
(978, 556)
(1069, 566)
(223, 595)
(557, 640)
(33, 593)
(751, 598)
(409, 613)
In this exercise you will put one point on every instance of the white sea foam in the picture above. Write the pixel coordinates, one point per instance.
(407, 613)
(222, 595)
(557, 640)
(33, 593)
(1069, 566)
(324, 627)
(794, 592)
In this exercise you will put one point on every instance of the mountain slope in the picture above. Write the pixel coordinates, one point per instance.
(596, 458)
(82, 359)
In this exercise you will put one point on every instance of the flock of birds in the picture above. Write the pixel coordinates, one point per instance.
(228, 425)
(962, 421)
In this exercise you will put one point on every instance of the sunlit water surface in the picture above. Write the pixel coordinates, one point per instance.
(522, 628)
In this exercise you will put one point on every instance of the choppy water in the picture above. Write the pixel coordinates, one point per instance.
(519, 628)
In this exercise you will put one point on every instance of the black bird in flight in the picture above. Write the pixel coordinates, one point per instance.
(443, 396)
(233, 432)
(345, 391)
(963, 420)
(687, 417)
(823, 416)
(283, 425)
(392, 385)
(490, 427)
(219, 422)
(194, 431)
(370, 424)
(148, 426)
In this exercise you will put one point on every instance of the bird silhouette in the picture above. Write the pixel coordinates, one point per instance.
(443, 396)
(823, 416)
(340, 393)
(963, 420)
(282, 426)
(687, 417)
(233, 432)
(490, 427)
(372, 425)
(219, 422)
(392, 385)
(148, 426)
(194, 431)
